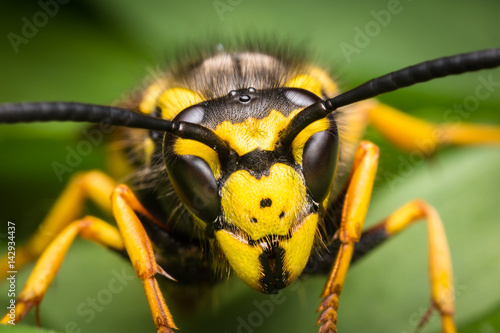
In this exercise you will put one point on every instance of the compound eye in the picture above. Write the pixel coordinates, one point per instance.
(319, 163)
(195, 184)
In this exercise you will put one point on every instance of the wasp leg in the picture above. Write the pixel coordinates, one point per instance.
(68, 207)
(413, 134)
(125, 206)
(440, 270)
(353, 215)
(51, 259)
(131, 236)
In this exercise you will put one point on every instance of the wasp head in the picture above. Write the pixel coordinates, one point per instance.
(261, 201)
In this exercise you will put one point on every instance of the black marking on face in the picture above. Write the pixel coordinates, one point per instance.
(275, 277)
(267, 202)
(258, 163)
(241, 104)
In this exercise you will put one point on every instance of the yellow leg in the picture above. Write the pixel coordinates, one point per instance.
(440, 270)
(130, 235)
(412, 134)
(68, 207)
(139, 248)
(353, 216)
(50, 261)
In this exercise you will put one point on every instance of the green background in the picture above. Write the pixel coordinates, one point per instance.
(95, 51)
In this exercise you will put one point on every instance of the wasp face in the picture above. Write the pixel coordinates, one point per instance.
(262, 205)
(268, 226)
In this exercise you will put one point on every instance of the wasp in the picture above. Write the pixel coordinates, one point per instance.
(247, 162)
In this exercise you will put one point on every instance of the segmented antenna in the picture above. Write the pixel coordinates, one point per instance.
(422, 72)
(80, 112)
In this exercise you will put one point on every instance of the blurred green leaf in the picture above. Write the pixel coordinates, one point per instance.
(96, 51)
(488, 324)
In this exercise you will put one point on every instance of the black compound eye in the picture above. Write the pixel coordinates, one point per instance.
(195, 184)
(319, 163)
